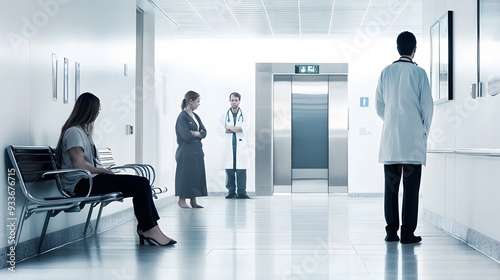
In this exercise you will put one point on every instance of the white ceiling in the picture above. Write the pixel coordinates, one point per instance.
(291, 18)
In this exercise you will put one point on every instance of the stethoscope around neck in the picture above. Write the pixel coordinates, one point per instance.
(230, 113)
(405, 59)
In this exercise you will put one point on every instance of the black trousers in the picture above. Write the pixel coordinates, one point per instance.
(411, 187)
(133, 186)
(236, 180)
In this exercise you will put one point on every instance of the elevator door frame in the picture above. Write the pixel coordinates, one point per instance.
(264, 135)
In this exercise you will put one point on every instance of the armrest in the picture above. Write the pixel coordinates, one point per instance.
(118, 168)
(147, 169)
(63, 171)
(144, 170)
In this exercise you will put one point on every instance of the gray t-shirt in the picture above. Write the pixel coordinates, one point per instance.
(75, 136)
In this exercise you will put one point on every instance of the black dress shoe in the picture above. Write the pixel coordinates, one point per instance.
(413, 239)
(391, 238)
(243, 196)
(231, 195)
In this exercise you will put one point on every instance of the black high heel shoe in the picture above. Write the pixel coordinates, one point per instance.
(141, 238)
(153, 242)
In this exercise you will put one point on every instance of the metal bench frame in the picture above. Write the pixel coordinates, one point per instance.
(37, 174)
(107, 160)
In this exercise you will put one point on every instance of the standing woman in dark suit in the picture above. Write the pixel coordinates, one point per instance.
(190, 179)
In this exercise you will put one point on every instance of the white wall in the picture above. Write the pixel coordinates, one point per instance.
(463, 190)
(164, 149)
(99, 35)
(15, 97)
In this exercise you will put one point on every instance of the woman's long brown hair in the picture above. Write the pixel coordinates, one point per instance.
(84, 113)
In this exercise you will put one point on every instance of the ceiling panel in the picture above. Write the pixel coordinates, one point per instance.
(290, 18)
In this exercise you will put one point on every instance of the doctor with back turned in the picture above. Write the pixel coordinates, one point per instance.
(404, 103)
(234, 124)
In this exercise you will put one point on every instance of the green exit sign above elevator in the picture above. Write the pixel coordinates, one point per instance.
(306, 69)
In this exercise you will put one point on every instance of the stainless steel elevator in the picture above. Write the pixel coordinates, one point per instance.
(301, 129)
(309, 148)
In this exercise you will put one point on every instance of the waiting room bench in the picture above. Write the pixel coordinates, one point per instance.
(39, 181)
(145, 170)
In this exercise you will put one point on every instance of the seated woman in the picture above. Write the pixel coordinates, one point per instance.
(76, 149)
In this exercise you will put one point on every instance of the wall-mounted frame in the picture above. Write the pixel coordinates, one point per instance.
(488, 71)
(441, 72)
(66, 81)
(77, 79)
(54, 77)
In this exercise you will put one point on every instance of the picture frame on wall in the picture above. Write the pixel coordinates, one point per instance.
(488, 40)
(77, 79)
(54, 76)
(441, 66)
(66, 81)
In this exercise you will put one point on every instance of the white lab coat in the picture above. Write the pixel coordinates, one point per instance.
(404, 102)
(242, 153)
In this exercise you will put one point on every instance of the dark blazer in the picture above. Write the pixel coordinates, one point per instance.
(188, 144)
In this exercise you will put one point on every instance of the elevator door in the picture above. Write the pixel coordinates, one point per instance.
(309, 133)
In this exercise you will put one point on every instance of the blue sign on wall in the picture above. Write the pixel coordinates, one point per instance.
(363, 102)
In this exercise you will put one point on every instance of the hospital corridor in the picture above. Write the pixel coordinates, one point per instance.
(250, 139)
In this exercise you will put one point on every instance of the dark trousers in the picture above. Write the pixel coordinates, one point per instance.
(130, 186)
(411, 186)
(236, 180)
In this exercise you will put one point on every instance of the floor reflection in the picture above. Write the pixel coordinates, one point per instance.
(314, 237)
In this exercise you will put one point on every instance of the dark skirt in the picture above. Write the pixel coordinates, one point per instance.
(190, 179)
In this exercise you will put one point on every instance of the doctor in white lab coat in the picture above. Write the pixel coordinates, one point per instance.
(404, 102)
(234, 125)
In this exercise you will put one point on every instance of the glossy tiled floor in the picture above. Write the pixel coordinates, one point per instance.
(282, 237)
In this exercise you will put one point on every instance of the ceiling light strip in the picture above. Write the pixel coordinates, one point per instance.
(400, 11)
(163, 12)
(231, 12)
(331, 18)
(300, 18)
(199, 15)
(364, 16)
(267, 15)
